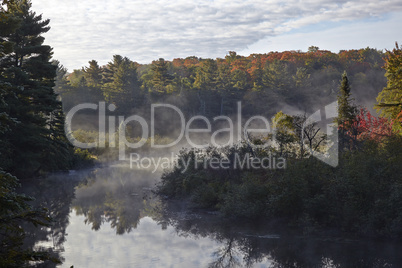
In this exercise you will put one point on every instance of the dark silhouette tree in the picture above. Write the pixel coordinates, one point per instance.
(346, 113)
(31, 99)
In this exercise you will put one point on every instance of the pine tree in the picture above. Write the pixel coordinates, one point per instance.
(122, 87)
(346, 111)
(14, 207)
(160, 76)
(61, 83)
(31, 99)
(346, 108)
(91, 84)
(8, 25)
(206, 77)
(276, 76)
(390, 98)
(93, 74)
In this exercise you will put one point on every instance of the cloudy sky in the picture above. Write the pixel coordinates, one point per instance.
(147, 30)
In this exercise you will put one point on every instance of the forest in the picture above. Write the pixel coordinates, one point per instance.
(360, 196)
(263, 82)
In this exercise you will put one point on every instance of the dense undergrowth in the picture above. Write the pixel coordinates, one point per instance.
(363, 194)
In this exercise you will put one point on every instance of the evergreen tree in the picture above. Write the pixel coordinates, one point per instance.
(207, 81)
(14, 207)
(111, 68)
(346, 108)
(160, 76)
(346, 111)
(8, 25)
(390, 98)
(276, 77)
(206, 77)
(61, 83)
(91, 84)
(93, 74)
(30, 98)
(122, 87)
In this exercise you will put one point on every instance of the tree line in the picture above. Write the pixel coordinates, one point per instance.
(211, 87)
(359, 196)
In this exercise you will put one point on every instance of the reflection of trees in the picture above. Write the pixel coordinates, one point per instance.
(226, 255)
(117, 196)
(242, 246)
(55, 194)
(121, 198)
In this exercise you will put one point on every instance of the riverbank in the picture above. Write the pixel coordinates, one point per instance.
(361, 196)
(111, 213)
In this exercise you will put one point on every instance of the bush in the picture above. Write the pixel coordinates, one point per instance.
(362, 195)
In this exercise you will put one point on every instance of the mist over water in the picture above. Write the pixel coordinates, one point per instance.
(114, 219)
(108, 217)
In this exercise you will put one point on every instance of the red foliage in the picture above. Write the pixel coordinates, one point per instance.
(368, 127)
(178, 62)
(239, 64)
(191, 61)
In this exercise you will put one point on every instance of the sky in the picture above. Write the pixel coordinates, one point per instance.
(148, 30)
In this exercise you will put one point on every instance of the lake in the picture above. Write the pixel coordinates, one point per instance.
(109, 217)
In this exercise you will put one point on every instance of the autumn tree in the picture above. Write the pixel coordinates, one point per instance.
(365, 126)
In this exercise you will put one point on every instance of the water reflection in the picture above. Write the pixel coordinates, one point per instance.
(56, 194)
(154, 233)
(253, 245)
(118, 196)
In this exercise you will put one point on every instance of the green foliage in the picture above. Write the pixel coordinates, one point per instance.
(121, 86)
(161, 78)
(362, 195)
(82, 158)
(206, 75)
(211, 87)
(93, 74)
(390, 98)
(347, 112)
(37, 142)
(248, 199)
(31, 127)
(313, 49)
(276, 77)
(346, 109)
(283, 130)
(14, 211)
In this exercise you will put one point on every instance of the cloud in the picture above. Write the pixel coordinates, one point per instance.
(360, 34)
(147, 30)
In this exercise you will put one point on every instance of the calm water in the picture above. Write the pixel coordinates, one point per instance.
(109, 217)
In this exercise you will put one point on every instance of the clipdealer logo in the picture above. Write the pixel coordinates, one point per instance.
(117, 128)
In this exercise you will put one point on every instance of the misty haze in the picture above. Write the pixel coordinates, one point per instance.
(200, 134)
